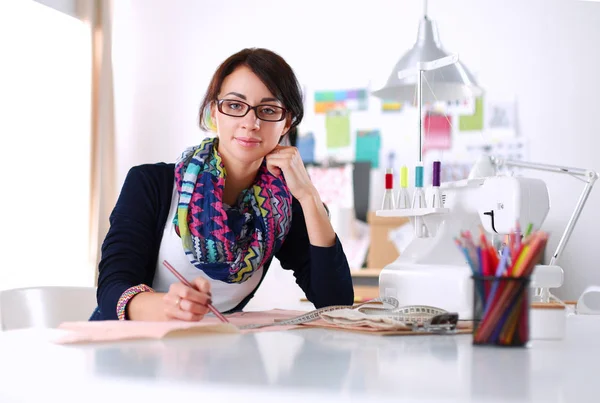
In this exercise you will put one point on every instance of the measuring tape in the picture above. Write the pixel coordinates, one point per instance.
(417, 316)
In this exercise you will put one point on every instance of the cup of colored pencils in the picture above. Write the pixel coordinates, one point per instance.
(501, 286)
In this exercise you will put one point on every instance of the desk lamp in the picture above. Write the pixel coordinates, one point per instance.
(427, 60)
(452, 82)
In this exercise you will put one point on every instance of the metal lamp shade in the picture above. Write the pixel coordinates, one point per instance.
(450, 83)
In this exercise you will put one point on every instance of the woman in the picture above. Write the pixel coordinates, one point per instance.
(222, 212)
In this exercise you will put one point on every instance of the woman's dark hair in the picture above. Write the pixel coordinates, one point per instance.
(272, 70)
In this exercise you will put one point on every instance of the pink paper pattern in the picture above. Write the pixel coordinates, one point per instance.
(102, 331)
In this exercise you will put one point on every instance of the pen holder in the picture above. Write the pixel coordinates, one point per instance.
(501, 310)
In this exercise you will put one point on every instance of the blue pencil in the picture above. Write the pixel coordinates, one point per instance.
(503, 261)
(480, 257)
(470, 262)
(465, 252)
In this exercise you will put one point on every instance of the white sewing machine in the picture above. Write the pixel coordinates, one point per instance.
(432, 270)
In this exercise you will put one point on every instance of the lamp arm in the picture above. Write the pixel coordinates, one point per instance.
(590, 179)
(499, 162)
(574, 217)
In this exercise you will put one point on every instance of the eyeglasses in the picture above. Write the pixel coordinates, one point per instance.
(238, 109)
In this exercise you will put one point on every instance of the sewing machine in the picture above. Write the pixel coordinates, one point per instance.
(432, 270)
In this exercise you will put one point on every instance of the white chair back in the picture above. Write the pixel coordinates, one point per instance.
(45, 306)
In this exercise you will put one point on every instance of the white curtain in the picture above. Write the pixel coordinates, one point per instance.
(98, 13)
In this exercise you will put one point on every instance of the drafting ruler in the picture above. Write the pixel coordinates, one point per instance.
(420, 318)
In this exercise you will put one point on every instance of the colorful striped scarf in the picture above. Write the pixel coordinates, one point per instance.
(230, 244)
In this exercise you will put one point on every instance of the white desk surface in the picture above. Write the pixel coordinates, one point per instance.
(308, 365)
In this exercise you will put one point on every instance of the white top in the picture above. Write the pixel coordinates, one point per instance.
(225, 296)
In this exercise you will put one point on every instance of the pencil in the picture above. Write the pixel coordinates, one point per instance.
(184, 281)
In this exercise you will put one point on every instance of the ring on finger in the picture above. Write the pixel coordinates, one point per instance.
(178, 302)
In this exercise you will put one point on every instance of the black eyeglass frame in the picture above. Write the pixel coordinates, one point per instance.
(255, 108)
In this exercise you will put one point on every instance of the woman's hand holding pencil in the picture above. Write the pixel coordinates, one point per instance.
(189, 301)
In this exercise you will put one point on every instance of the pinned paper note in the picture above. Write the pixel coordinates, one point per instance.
(475, 121)
(501, 115)
(391, 106)
(334, 184)
(438, 132)
(337, 126)
(341, 100)
(306, 147)
(368, 143)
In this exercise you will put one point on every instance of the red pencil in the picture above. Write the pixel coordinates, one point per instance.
(490, 256)
(184, 281)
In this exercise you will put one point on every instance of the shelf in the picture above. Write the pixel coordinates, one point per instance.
(411, 212)
(365, 273)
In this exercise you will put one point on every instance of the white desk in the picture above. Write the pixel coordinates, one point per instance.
(309, 365)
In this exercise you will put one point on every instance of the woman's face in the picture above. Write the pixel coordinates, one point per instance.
(247, 139)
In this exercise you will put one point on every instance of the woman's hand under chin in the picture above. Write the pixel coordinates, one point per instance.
(287, 160)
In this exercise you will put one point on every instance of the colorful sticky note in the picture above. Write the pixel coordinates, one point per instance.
(306, 147)
(391, 106)
(340, 100)
(368, 143)
(337, 127)
(334, 184)
(438, 132)
(474, 121)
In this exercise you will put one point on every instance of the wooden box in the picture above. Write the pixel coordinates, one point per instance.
(382, 251)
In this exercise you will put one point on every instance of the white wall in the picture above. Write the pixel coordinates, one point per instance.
(544, 52)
